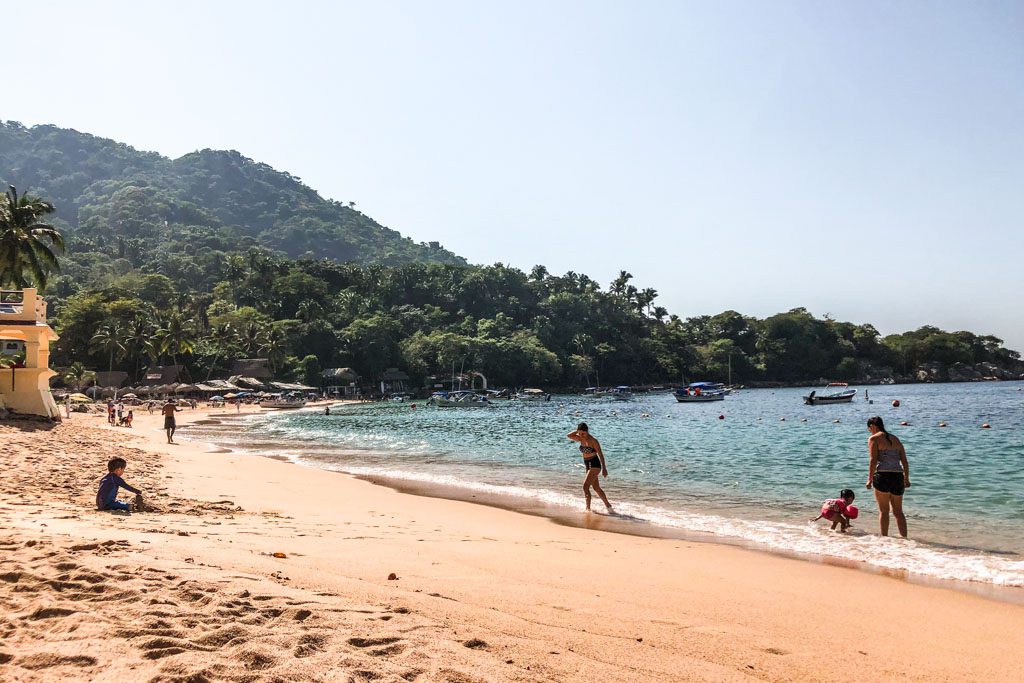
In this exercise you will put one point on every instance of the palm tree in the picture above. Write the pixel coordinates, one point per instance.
(252, 338)
(222, 338)
(140, 332)
(25, 256)
(176, 338)
(78, 376)
(309, 310)
(108, 340)
(274, 345)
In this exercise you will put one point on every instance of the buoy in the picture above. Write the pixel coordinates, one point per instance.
(782, 419)
(804, 419)
(942, 424)
(986, 426)
(895, 403)
(721, 417)
(835, 421)
(904, 424)
(852, 511)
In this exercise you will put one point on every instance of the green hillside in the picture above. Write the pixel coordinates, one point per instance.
(109, 193)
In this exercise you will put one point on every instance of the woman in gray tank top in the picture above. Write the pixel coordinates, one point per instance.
(888, 474)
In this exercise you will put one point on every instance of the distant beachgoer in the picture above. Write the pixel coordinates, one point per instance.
(889, 474)
(593, 459)
(327, 410)
(839, 510)
(128, 418)
(106, 496)
(170, 424)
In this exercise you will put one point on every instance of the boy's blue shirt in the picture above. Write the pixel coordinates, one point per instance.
(108, 490)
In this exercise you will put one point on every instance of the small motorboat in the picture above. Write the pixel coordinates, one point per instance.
(457, 399)
(835, 392)
(282, 402)
(532, 395)
(701, 392)
(622, 393)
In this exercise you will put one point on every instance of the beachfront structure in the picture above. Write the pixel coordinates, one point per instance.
(25, 387)
(258, 368)
(393, 381)
(165, 375)
(341, 382)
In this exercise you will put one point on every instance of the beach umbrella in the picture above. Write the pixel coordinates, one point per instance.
(128, 396)
(230, 395)
(79, 398)
(216, 398)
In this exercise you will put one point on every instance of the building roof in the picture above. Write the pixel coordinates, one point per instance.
(252, 367)
(117, 378)
(343, 374)
(165, 374)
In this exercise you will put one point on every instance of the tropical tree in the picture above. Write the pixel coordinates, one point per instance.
(77, 376)
(222, 339)
(107, 339)
(176, 337)
(28, 246)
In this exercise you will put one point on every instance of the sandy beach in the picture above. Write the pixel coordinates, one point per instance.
(193, 591)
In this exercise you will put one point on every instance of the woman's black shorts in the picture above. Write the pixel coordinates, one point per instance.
(888, 482)
(592, 463)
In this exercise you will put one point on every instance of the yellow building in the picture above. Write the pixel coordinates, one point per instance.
(25, 338)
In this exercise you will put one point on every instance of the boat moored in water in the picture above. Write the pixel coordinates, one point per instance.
(533, 395)
(457, 399)
(283, 402)
(835, 392)
(622, 393)
(701, 392)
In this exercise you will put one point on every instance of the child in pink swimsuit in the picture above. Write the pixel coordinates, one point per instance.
(839, 510)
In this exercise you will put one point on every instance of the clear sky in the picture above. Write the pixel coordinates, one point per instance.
(862, 159)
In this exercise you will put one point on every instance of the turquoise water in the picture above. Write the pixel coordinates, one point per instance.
(757, 476)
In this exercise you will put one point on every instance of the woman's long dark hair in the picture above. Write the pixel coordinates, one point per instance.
(877, 422)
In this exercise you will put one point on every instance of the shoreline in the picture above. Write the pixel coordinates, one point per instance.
(624, 524)
(481, 594)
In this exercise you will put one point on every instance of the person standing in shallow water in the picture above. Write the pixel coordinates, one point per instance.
(889, 474)
(593, 459)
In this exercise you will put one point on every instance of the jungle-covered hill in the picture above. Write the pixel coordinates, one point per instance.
(109, 193)
(214, 257)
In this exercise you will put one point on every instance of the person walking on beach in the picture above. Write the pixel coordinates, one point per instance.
(888, 473)
(170, 424)
(593, 460)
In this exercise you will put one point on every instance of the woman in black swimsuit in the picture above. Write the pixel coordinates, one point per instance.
(888, 474)
(593, 459)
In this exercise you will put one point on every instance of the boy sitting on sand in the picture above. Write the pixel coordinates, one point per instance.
(106, 497)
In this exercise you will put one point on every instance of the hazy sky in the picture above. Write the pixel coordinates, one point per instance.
(863, 159)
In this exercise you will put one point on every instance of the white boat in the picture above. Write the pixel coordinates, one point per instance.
(835, 392)
(701, 392)
(622, 393)
(532, 395)
(282, 403)
(457, 399)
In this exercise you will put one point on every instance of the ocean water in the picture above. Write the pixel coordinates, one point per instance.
(757, 476)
